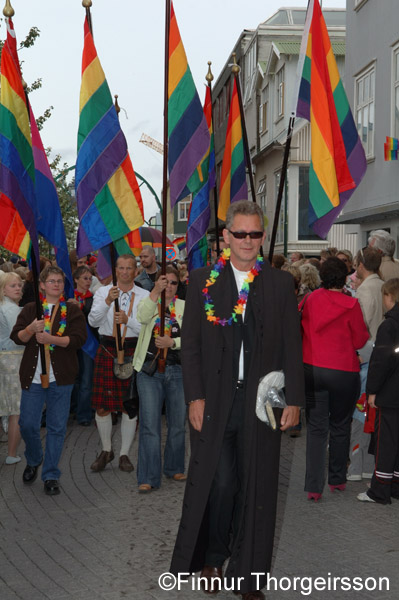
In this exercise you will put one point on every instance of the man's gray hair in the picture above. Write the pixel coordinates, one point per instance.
(246, 208)
(383, 241)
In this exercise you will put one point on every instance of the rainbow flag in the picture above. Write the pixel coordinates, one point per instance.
(188, 132)
(180, 242)
(233, 184)
(391, 148)
(17, 170)
(107, 194)
(200, 211)
(338, 161)
(13, 234)
(49, 221)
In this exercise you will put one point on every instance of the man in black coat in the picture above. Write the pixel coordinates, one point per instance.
(231, 339)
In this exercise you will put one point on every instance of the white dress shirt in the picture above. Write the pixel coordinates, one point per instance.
(102, 315)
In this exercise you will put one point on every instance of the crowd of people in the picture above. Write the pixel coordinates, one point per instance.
(330, 323)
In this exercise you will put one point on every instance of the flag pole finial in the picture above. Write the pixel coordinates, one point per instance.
(8, 10)
(87, 3)
(209, 75)
(235, 67)
(117, 107)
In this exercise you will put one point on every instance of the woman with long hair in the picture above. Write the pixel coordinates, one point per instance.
(155, 386)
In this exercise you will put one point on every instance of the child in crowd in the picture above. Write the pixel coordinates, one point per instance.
(382, 389)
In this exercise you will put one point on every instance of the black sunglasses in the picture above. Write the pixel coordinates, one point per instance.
(173, 282)
(241, 235)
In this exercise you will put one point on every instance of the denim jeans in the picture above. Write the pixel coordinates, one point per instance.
(81, 395)
(153, 391)
(57, 399)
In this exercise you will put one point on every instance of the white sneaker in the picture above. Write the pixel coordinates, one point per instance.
(363, 497)
(367, 475)
(353, 477)
(13, 460)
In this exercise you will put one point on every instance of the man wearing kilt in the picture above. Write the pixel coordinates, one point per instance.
(108, 391)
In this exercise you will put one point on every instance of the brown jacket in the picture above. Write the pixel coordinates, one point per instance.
(63, 360)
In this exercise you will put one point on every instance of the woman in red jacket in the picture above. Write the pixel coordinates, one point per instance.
(333, 330)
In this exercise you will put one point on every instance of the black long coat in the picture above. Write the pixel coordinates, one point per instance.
(208, 369)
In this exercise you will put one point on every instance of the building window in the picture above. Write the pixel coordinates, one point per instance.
(183, 210)
(263, 111)
(304, 231)
(261, 193)
(250, 72)
(280, 93)
(396, 91)
(280, 227)
(365, 99)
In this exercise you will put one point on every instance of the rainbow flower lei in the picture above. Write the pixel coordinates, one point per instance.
(172, 319)
(47, 319)
(242, 296)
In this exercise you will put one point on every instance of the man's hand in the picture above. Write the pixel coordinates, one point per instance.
(113, 294)
(290, 417)
(196, 413)
(121, 318)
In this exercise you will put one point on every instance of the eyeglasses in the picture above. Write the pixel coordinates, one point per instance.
(241, 235)
(55, 281)
(172, 282)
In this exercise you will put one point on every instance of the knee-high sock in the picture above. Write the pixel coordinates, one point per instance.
(128, 429)
(104, 427)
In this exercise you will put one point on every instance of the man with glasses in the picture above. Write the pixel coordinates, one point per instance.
(62, 331)
(241, 322)
(109, 391)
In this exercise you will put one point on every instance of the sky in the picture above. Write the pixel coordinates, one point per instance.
(129, 37)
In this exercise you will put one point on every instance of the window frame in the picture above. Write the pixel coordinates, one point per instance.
(366, 107)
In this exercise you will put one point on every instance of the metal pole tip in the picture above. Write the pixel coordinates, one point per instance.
(8, 10)
(87, 3)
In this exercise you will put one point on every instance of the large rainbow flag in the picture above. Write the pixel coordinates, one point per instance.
(338, 161)
(200, 211)
(108, 196)
(188, 131)
(17, 170)
(233, 184)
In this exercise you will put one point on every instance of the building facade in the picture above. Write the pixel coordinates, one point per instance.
(372, 83)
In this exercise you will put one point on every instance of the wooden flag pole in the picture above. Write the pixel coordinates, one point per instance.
(119, 349)
(162, 358)
(236, 71)
(281, 186)
(209, 79)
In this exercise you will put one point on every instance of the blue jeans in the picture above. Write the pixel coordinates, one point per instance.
(153, 391)
(81, 395)
(57, 399)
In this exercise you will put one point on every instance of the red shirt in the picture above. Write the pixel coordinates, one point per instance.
(333, 329)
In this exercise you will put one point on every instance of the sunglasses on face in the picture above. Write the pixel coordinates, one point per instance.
(171, 282)
(241, 235)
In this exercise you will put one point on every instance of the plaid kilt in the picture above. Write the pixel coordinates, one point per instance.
(108, 390)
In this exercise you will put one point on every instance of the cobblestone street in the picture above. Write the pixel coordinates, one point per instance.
(101, 540)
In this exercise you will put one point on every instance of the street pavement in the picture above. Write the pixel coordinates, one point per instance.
(101, 540)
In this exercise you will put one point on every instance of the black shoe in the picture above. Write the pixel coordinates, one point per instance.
(30, 473)
(51, 487)
(85, 423)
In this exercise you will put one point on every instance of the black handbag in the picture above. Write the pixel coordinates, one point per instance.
(150, 365)
(131, 401)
